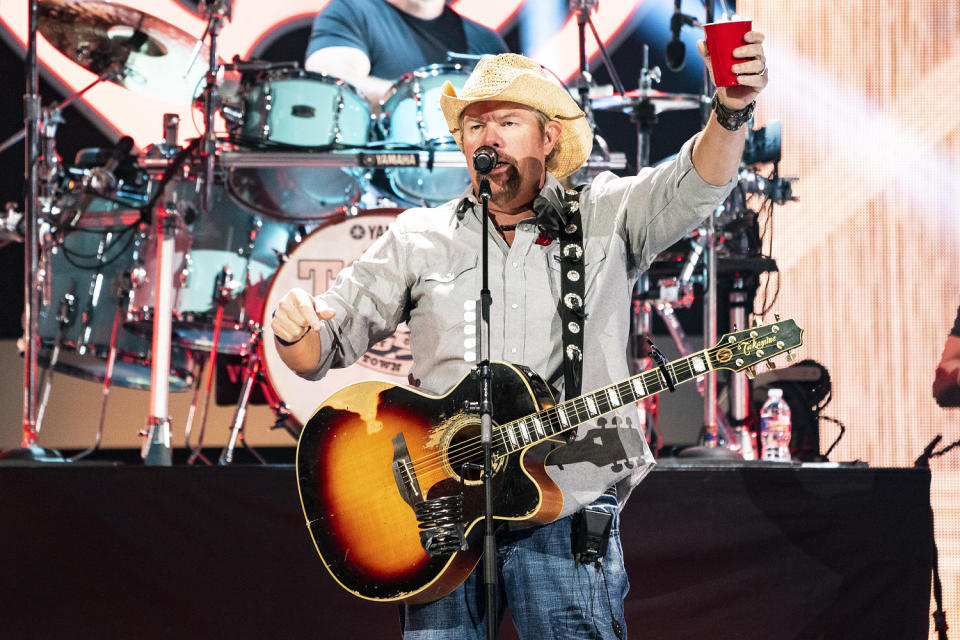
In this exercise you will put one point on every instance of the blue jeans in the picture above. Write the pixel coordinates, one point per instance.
(550, 595)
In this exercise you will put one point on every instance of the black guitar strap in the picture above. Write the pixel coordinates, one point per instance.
(572, 303)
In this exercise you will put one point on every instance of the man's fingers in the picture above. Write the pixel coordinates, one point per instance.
(307, 310)
(702, 48)
(323, 311)
(748, 51)
(287, 330)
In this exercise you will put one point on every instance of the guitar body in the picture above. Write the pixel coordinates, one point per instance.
(359, 507)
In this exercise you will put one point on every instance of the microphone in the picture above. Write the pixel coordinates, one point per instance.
(676, 50)
(484, 160)
(100, 180)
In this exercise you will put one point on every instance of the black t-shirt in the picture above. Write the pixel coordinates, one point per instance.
(395, 42)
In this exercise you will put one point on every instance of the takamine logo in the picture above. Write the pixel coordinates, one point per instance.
(390, 356)
(752, 345)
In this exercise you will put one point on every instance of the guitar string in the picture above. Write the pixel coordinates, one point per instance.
(467, 449)
(550, 418)
(681, 367)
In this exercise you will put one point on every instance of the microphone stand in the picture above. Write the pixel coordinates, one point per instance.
(486, 421)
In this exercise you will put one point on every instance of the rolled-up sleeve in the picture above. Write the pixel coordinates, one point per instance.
(371, 298)
(659, 205)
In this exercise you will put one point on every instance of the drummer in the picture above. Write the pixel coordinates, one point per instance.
(371, 43)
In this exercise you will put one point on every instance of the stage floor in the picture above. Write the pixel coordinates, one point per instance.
(120, 551)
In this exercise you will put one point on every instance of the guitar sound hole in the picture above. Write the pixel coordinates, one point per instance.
(464, 454)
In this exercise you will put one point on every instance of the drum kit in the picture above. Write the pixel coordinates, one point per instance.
(152, 264)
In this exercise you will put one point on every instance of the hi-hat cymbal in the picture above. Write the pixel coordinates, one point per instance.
(661, 101)
(156, 62)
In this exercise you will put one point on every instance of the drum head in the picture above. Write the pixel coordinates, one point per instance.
(411, 114)
(313, 266)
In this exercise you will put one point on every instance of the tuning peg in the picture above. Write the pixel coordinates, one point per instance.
(771, 364)
(734, 328)
(791, 356)
(756, 322)
(776, 317)
(751, 372)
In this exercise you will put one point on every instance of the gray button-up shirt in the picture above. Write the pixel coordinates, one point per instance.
(425, 271)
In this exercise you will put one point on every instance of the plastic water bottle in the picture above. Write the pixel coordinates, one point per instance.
(775, 427)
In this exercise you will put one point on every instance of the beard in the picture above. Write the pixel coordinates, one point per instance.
(507, 187)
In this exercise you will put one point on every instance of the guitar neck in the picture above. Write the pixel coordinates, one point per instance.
(516, 435)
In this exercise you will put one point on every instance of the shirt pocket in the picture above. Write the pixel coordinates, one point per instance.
(444, 292)
(594, 257)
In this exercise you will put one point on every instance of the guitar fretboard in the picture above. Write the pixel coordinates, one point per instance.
(516, 435)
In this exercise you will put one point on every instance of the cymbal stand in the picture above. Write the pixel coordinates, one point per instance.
(217, 11)
(253, 366)
(29, 450)
(644, 116)
(583, 8)
(710, 438)
(53, 113)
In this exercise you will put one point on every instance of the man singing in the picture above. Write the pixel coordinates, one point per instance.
(425, 271)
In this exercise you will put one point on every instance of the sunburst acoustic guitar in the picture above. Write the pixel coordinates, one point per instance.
(386, 472)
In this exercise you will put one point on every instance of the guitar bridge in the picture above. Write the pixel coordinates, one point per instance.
(403, 472)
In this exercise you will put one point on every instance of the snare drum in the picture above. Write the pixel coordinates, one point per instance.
(223, 251)
(411, 114)
(292, 108)
(89, 280)
(313, 266)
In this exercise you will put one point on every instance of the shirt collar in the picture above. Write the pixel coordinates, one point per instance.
(469, 201)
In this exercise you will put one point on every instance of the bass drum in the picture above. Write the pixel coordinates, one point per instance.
(89, 277)
(411, 114)
(313, 266)
(296, 110)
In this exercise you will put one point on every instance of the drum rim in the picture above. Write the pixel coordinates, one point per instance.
(426, 71)
(248, 208)
(287, 73)
(341, 217)
(181, 374)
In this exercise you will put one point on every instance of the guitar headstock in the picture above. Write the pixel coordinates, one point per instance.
(745, 349)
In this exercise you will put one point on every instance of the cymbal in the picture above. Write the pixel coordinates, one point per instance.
(661, 100)
(97, 34)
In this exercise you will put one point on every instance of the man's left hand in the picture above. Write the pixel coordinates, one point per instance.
(752, 73)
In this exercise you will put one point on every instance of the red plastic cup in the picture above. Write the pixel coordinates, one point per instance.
(722, 39)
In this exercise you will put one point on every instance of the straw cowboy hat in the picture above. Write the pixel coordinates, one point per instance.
(514, 78)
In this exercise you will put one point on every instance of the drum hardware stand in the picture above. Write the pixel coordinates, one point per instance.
(224, 285)
(217, 11)
(156, 445)
(122, 295)
(253, 367)
(52, 116)
(583, 9)
(29, 450)
(739, 393)
(66, 314)
(644, 115)
(198, 383)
